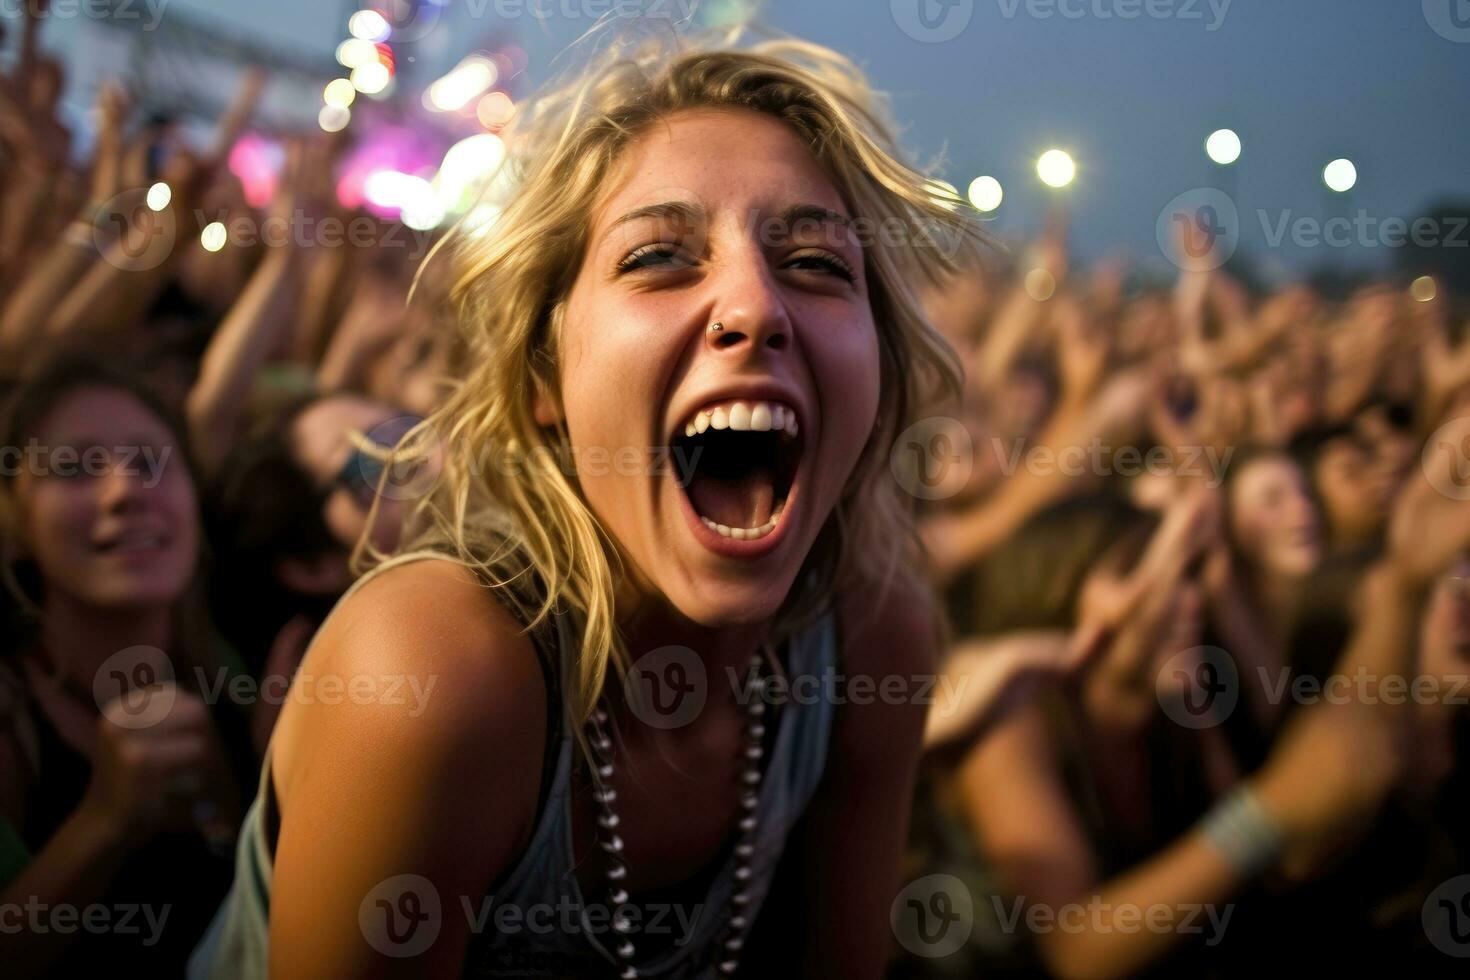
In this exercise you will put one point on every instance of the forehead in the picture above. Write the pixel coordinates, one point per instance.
(1268, 473)
(721, 158)
(96, 411)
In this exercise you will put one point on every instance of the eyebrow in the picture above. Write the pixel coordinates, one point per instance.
(687, 212)
(814, 212)
(665, 210)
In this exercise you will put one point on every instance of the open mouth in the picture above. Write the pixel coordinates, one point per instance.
(739, 461)
(132, 542)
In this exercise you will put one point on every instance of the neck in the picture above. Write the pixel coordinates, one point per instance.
(651, 623)
(1279, 596)
(78, 637)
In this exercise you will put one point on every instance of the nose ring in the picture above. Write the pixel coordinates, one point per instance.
(716, 327)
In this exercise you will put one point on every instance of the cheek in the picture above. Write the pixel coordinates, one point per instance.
(58, 521)
(848, 379)
(615, 369)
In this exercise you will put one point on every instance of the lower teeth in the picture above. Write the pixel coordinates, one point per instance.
(745, 533)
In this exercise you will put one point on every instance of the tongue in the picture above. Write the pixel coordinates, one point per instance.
(738, 501)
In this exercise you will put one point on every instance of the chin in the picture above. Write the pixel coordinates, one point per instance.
(722, 607)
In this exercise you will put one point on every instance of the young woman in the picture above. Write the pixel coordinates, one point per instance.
(686, 264)
(113, 793)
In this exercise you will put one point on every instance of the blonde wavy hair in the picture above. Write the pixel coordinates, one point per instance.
(505, 504)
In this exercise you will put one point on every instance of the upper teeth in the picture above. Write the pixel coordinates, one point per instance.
(744, 416)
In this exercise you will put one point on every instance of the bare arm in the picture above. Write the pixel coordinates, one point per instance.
(858, 822)
(250, 331)
(445, 790)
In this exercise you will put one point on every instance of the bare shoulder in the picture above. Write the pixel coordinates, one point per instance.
(410, 744)
(424, 663)
(890, 629)
(889, 659)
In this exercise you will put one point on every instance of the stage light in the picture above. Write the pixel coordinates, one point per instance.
(339, 92)
(369, 25)
(467, 80)
(495, 110)
(1056, 168)
(986, 194)
(370, 79)
(1223, 146)
(334, 118)
(356, 51)
(1340, 175)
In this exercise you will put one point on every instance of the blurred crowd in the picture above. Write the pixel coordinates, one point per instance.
(1159, 518)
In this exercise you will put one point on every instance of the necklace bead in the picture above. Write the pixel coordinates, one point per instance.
(751, 777)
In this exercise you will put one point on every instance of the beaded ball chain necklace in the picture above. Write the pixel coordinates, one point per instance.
(607, 820)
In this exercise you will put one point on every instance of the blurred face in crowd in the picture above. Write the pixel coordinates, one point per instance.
(1021, 406)
(760, 243)
(1273, 522)
(324, 449)
(1391, 437)
(1355, 490)
(1144, 327)
(111, 519)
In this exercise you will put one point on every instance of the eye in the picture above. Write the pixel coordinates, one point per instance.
(822, 262)
(655, 255)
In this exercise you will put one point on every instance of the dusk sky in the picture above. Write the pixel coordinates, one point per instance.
(1131, 95)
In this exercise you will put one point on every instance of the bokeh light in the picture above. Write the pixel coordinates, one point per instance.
(1223, 146)
(461, 85)
(214, 236)
(986, 194)
(334, 118)
(372, 78)
(1056, 168)
(495, 110)
(339, 92)
(1423, 289)
(1340, 175)
(158, 196)
(356, 51)
(1040, 285)
(369, 25)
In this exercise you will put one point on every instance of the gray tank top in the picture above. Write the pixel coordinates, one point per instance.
(552, 931)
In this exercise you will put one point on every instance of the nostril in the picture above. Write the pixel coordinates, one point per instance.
(728, 339)
(776, 341)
